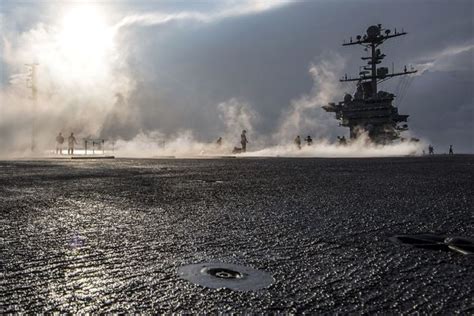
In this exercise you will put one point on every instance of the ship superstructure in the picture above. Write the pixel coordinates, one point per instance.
(369, 110)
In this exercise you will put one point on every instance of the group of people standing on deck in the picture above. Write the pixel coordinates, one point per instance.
(71, 142)
(308, 140)
(431, 150)
(244, 141)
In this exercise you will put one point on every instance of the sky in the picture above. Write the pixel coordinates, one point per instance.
(149, 70)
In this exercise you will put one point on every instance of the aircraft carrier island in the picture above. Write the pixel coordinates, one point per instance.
(371, 110)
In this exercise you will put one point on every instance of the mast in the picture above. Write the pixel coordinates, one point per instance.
(374, 38)
(32, 84)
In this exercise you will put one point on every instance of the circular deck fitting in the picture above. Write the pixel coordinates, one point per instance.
(461, 245)
(224, 275)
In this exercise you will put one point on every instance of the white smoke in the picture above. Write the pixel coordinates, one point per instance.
(80, 74)
(305, 113)
(155, 144)
(184, 145)
(234, 116)
(360, 147)
(81, 88)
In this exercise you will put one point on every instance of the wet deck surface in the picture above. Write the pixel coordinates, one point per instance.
(109, 236)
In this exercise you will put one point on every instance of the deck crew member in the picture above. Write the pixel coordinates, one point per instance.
(243, 140)
(59, 144)
(298, 142)
(71, 142)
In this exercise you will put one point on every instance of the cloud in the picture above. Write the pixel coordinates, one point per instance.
(229, 9)
(449, 59)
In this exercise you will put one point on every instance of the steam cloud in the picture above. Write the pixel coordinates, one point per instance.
(73, 95)
(235, 116)
(305, 112)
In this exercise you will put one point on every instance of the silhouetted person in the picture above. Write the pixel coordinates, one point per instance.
(219, 142)
(298, 142)
(71, 142)
(243, 140)
(342, 140)
(309, 140)
(451, 150)
(430, 150)
(59, 144)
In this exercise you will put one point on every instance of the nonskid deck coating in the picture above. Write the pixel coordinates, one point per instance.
(109, 236)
